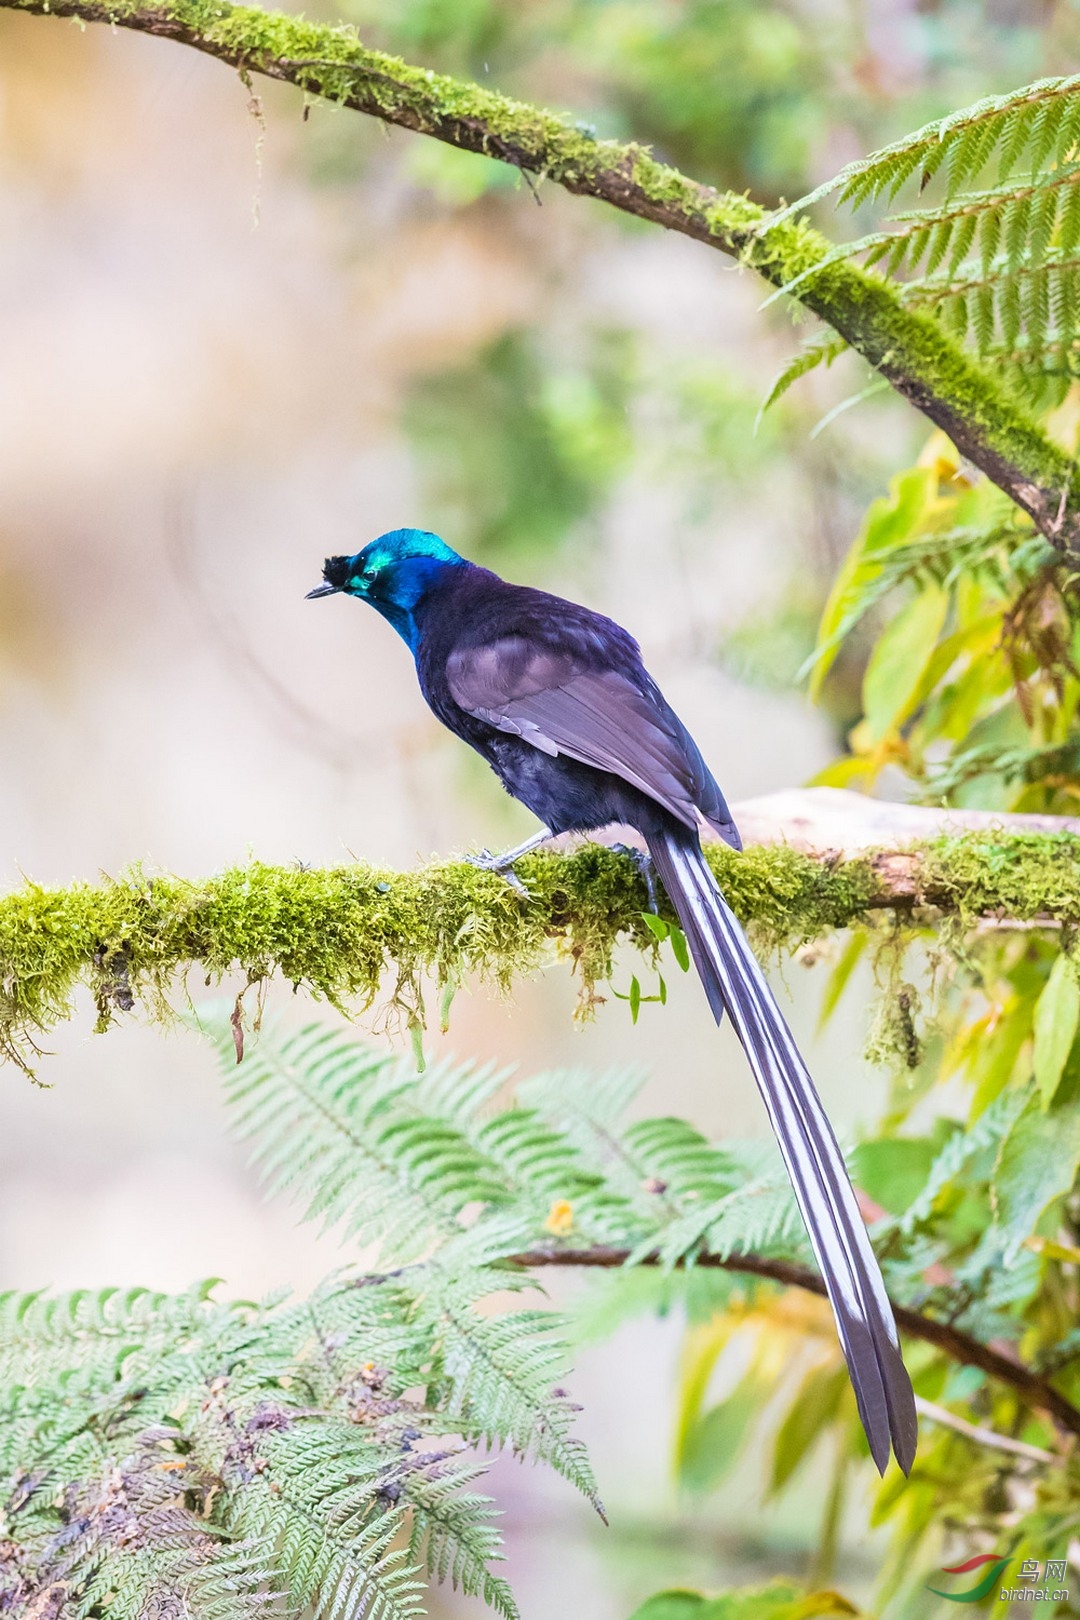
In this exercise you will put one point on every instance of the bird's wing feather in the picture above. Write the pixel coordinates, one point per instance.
(554, 701)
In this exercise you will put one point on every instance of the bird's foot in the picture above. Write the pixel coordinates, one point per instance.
(503, 865)
(485, 861)
(645, 870)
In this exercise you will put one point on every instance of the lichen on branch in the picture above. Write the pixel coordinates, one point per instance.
(358, 936)
(910, 349)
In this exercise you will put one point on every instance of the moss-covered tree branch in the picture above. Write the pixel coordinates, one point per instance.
(356, 933)
(910, 350)
(1033, 1389)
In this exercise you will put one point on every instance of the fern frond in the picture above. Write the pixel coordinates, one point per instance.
(1019, 219)
(342, 1127)
(107, 1331)
(489, 1178)
(1040, 122)
(327, 1498)
(588, 1111)
(820, 350)
(997, 264)
(500, 1375)
(299, 1445)
(131, 1542)
(454, 1538)
(992, 1125)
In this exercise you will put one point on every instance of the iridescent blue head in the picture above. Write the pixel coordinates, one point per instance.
(394, 573)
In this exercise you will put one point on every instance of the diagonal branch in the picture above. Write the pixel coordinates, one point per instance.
(908, 348)
(1033, 1389)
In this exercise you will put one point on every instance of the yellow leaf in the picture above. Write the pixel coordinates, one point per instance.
(843, 773)
(1057, 1014)
(560, 1219)
(942, 457)
(1053, 1251)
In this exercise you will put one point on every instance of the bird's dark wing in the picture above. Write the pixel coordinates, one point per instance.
(552, 699)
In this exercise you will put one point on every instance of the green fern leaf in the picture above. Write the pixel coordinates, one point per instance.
(1013, 139)
(1069, 215)
(453, 1536)
(962, 239)
(981, 316)
(1015, 226)
(968, 154)
(966, 139)
(821, 350)
(989, 229)
(337, 1125)
(936, 243)
(1041, 227)
(1045, 132)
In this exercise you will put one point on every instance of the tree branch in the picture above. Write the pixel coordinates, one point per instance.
(343, 933)
(909, 349)
(1036, 1391)
(830, 821)
(980, 1436)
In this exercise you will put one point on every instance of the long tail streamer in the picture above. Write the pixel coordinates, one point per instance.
(734, 983)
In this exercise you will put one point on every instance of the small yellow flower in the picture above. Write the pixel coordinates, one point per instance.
(560, 1219)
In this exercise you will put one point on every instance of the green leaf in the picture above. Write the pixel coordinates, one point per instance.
(1037, 1163)
(813, 1409)
(1057, 1014)
(780, 1600)
(889, 522)
(680, 948)
(657, 927)
(893, 675)
(674, 1605)
(710, 1444)
(850, 957)
(893, 1171)
(635, 999)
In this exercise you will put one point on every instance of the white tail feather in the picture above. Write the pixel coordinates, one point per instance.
(734, 983)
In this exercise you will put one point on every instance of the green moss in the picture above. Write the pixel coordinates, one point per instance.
(353, 934)
(1018, 875)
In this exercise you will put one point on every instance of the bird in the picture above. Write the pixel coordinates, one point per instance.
(557, 699)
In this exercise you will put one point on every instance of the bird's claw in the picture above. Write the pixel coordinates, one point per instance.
(485, 861)
(645, 870)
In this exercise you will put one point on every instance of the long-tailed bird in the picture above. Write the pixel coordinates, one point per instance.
(557, 700)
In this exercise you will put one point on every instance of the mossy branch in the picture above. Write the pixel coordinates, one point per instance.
(354, 933)
(911, 350)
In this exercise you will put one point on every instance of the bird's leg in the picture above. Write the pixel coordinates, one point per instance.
(504, 863)
(645, 870)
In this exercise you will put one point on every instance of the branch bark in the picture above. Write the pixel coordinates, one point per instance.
(1033, 1389)
(826, 821)
(909, 349)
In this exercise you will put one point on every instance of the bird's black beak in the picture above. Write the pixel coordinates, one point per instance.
(322, 590)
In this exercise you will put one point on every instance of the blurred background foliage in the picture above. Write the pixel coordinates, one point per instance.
(407, 336)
